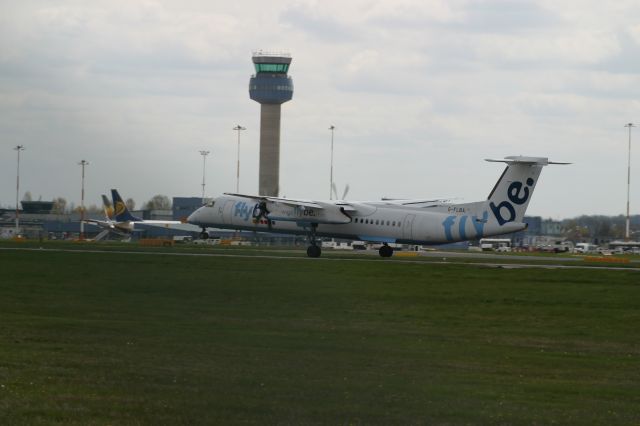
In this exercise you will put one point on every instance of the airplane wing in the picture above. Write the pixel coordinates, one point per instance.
(109, 226)
(160, 222)
(299, 211)
(346, 206)
(418, 202)
(101, 223)
(288, 201)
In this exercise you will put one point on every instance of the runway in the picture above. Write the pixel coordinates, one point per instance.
(438, 258)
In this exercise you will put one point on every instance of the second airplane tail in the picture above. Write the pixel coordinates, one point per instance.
(122, 213)
(107, 207)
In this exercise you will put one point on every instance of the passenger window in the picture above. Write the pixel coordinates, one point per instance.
(376, 221)
(393, 223)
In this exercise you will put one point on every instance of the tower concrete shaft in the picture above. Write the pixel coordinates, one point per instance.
(271, 87)
(269, 176)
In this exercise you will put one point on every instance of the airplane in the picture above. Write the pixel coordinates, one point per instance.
(120, 220)
(109, 224)
(423, 222)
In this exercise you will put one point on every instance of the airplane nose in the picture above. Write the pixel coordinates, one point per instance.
(195, 218)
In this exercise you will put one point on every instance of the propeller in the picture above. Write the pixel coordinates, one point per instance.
(335, 191)
(346, 191)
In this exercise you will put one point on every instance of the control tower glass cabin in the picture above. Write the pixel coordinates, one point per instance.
(271, 87)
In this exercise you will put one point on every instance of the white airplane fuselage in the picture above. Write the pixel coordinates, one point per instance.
(371, 221)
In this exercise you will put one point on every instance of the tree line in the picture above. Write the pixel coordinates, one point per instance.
(581, 228)
(600, 227)
(62, 206)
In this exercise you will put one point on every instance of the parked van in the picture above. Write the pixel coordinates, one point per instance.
(497, 244)
(584, 248)
(182, 238)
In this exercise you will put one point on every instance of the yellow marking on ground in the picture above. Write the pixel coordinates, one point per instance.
(606, 259)
(155, 242)
(407, 254)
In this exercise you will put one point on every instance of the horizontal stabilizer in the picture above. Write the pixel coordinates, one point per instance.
(519, 159)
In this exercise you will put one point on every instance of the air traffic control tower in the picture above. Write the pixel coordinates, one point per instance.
(271, 87)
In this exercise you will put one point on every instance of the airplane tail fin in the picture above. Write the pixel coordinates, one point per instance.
(122, 213)
(510, 196)
(107, 207)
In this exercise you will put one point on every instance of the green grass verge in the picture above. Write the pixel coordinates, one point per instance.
(450, 256)
(108, 338)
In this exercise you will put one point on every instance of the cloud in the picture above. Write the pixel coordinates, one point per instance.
(505, 16)
(316, 21)
(419, 92)
(572, 48)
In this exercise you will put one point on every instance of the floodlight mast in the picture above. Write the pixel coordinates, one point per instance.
(627, 233)
(18, 148)
(238, 128)
(332, 128)
(204, 161)
(82, 163)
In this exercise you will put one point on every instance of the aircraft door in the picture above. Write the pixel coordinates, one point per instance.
(407, 227)
(226, 212)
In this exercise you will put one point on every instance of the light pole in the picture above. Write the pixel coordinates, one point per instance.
(238, 128)
(18, 148)
(332, 128)
(629, 125)
(204, 162)
(82, 163)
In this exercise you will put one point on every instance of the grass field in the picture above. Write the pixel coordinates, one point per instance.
(110, 338)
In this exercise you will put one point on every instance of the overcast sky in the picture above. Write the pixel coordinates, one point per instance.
(420, 92)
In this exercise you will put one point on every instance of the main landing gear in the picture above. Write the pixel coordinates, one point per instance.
(385, 250)
(314, 249)
(204, 234)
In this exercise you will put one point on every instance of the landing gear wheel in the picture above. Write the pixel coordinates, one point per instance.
(204, 235)
(313, 251)
(385, 251)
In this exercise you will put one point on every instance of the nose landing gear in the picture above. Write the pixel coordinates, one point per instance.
(314, 249)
